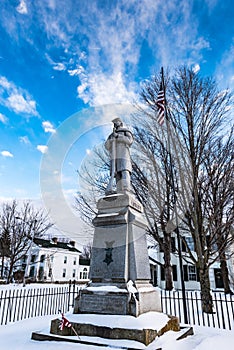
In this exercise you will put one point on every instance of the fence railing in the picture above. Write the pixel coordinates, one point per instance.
(223, 308)
(17, 304)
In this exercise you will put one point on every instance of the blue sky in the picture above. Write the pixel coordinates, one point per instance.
(61, 57)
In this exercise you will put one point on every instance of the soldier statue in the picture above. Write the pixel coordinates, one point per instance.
(118, 144)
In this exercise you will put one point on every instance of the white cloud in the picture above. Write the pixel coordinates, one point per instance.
(5, 83)
(16, 98)
(24, 139)
(19, 104)
(48, 127)
(22, 7)
(196, 68)
(114, 52)
(42, 148)
(116, 39)
(76, 71)
(102, 89)
(3, 118)
(59, 66)
(7, 154)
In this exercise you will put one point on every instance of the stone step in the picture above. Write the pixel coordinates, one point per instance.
(143, 329)
(39, 336)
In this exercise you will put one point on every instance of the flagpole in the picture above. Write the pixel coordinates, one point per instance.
(66, 323)
(75, 332)
(175, 206)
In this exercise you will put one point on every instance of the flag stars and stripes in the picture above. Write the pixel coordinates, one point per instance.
(64, 323)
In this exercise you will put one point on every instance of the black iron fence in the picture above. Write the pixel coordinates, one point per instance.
(21, 303)
(31, 301)
(223, 308)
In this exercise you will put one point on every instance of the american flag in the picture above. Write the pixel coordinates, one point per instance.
(64, 323)
(160, 103)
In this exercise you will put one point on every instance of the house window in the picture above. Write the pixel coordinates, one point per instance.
(41, 273)
(51, 258)
(50, 272)
(85, 273)
(174, 272)
(162, 273)
(185, 272)
(64, 272)
(192, 273)
(32, 270)
(74, 273)
(24, 258)
(173, 246)
(183, 245)
(42, 258)
(190, 243)
(162, 244)
(74, 261)
(33, 258)
(65, 260)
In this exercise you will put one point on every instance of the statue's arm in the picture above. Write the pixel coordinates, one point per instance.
(126, 138)
(109, 141)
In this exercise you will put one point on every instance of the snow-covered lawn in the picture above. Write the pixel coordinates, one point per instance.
(19, 286)
(17, 336)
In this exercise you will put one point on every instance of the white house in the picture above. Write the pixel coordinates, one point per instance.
(54, 260)
(191, 277)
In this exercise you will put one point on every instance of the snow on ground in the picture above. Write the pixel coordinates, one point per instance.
(17, 336)
(13, 286)
(153, 320)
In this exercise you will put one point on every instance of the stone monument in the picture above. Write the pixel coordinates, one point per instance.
(119, 271)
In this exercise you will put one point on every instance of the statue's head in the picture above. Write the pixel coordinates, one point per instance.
(117, 122)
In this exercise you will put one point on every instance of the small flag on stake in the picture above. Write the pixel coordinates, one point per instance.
(64, 323)
(160, 103)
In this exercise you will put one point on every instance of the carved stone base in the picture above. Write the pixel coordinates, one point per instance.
(119, 302)
(119, 257)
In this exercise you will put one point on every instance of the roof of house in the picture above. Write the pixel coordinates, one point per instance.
(46, 243)
(153, 261)
(85, 262)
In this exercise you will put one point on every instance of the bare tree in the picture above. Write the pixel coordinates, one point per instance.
(196, 111)
(87, 251)
(151, 180)
(219, 198)
(21, 223)
(93, 179)
(5, 243)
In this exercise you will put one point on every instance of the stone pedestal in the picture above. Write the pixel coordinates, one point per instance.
(120, 271)
(97, 330)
